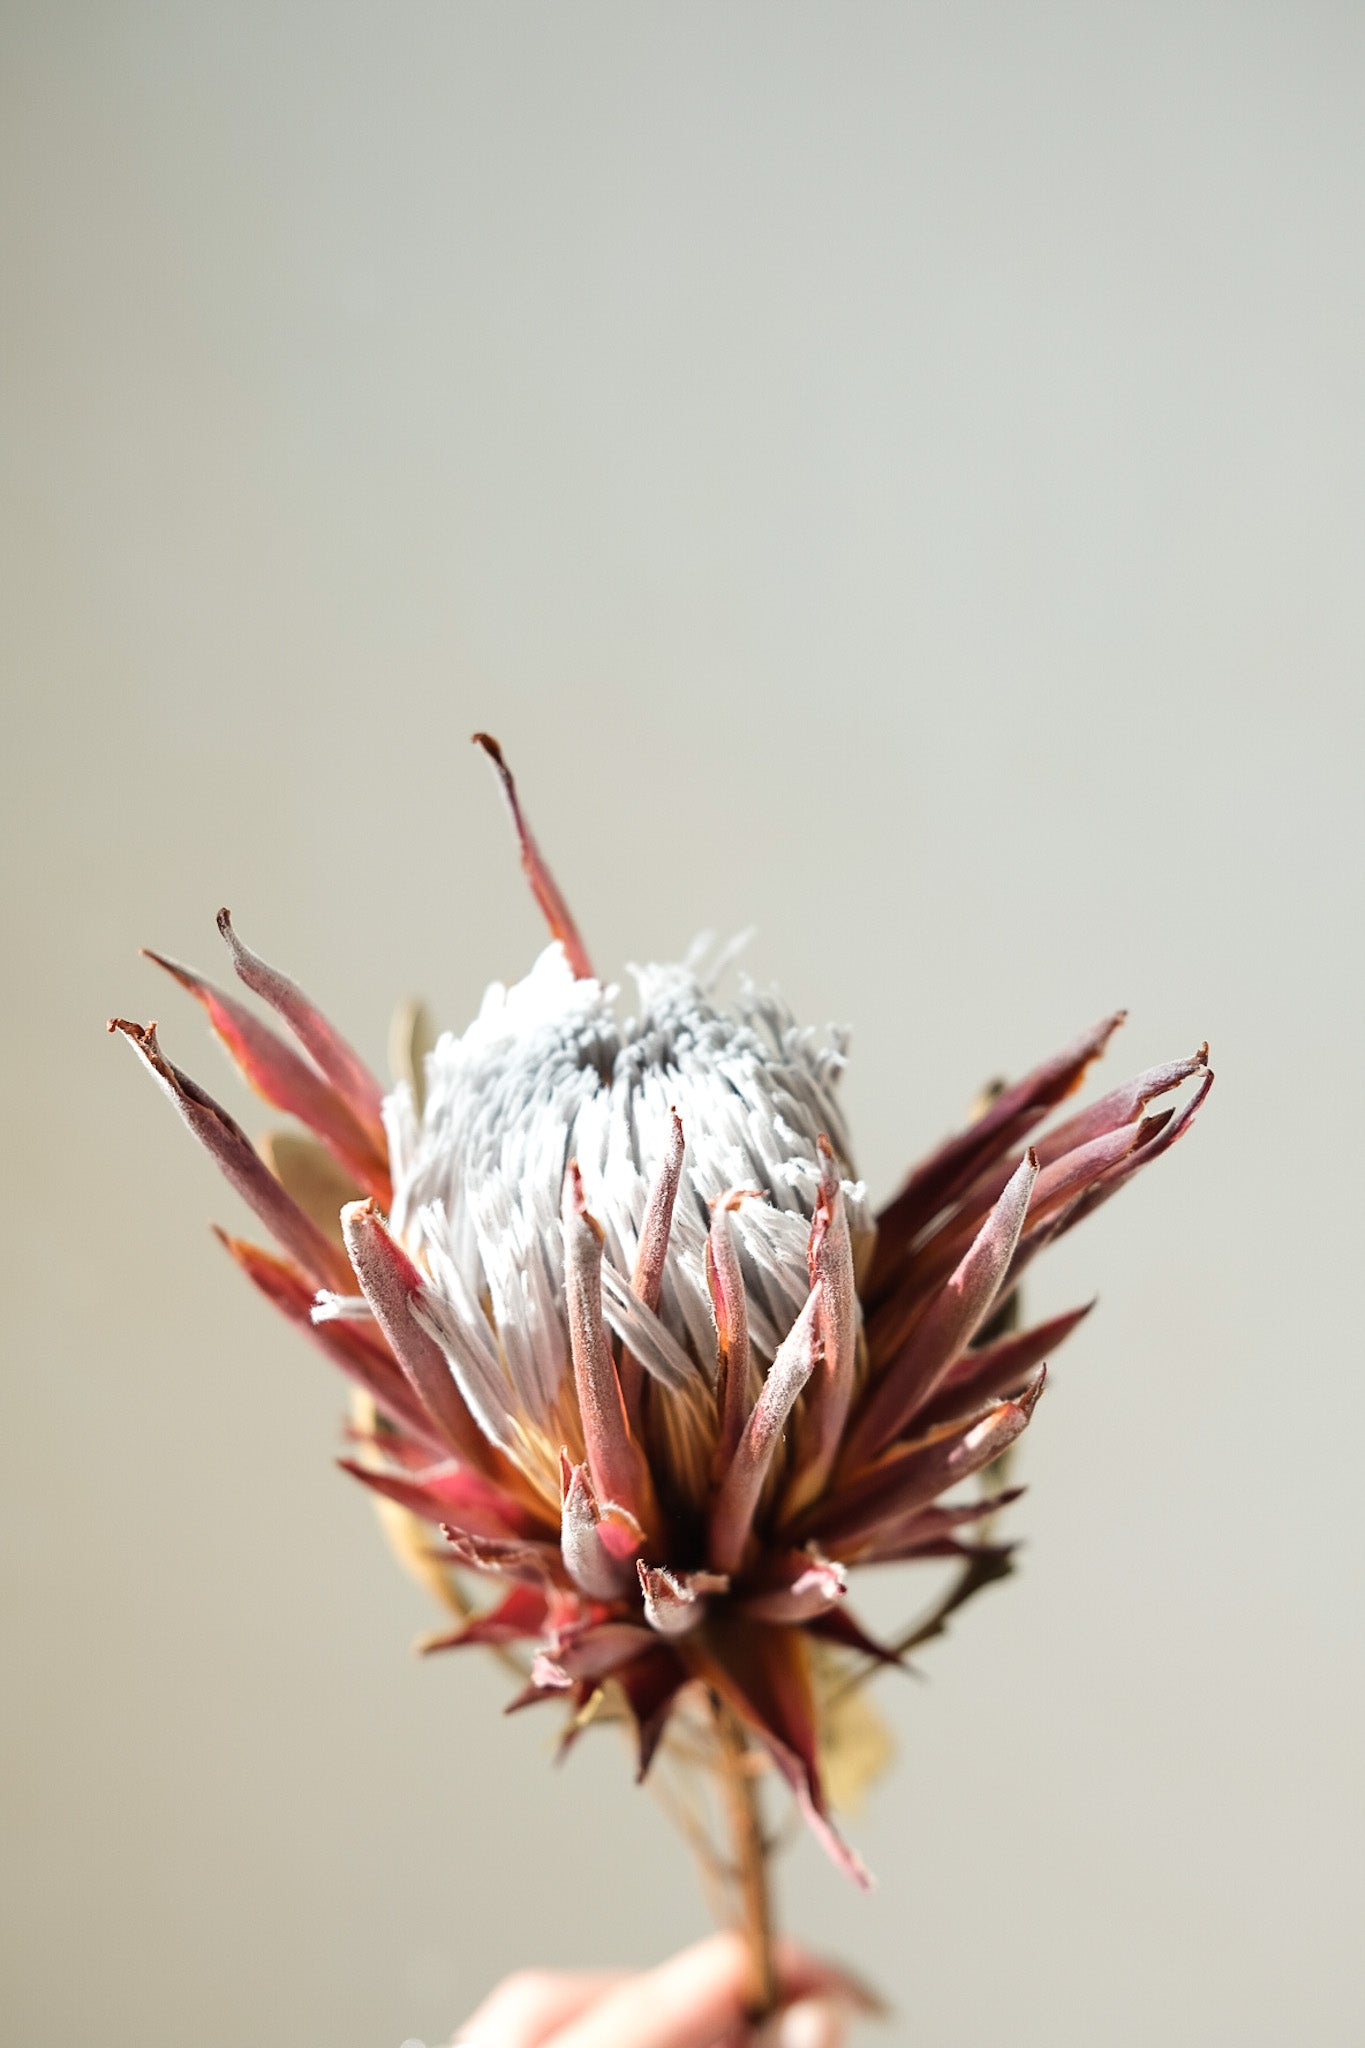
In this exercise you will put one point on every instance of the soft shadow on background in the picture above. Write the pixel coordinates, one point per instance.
(891, 476)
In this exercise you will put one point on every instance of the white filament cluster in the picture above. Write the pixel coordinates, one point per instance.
(547, 1073)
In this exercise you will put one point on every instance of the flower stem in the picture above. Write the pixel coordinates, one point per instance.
(753, 1898)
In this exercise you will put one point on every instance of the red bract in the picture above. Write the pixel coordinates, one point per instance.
(630, 1343)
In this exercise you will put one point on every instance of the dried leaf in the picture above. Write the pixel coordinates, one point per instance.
(856, 1746)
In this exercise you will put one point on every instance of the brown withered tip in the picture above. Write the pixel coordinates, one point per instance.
(486, 743)
(1033, 1393)
(140, 1034)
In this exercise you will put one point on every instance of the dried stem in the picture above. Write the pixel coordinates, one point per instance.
(739, 1793)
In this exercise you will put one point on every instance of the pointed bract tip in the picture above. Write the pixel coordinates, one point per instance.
(1032, 1394)
(1099, 1037)
(544, 888)
(184, 975)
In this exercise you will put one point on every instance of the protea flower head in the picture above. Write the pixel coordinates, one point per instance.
(629, 1335)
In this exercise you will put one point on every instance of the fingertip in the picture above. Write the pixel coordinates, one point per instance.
(806, 1976)
(810, 2023)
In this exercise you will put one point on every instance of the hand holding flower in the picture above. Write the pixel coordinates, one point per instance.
(694, 2000)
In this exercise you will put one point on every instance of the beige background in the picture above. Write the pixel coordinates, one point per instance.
(891, 475)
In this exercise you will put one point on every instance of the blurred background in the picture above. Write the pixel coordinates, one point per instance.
(890, 475)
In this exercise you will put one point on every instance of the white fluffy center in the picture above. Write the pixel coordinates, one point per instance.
(548, 1073)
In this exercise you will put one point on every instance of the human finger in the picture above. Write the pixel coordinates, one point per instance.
(691, 2001)
(803, 1975)
(810, 2023)
(527, 2009)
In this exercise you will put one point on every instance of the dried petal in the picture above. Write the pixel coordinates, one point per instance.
(448, 1496)
(948, 1327)
(911, 1476)
(651, 1685)
(543, 885)
(1075, 1157)
(519, 1617)
(996, 1369)
(817, 1583)
(237, 1161)
(946, 1172)
(392, 1284)
(763, 1675)
(357, 1348)
(923, 1529)
(732, 1511)
(343, 1066)
(676, 1601)
(618, 1471)
(505, 1557)
(648, 1341)
(592, 1654)
(284, 1080)
(835, 1624)
(652, 1249)
(830, 1261)
(725, 1283)
(588, 1561)
(651, 1254)
(1121, 1106)
(1158, 1136)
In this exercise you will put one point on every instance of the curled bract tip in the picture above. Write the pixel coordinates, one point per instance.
(140, 1034)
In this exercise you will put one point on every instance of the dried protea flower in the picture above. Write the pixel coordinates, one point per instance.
(628, 1332)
